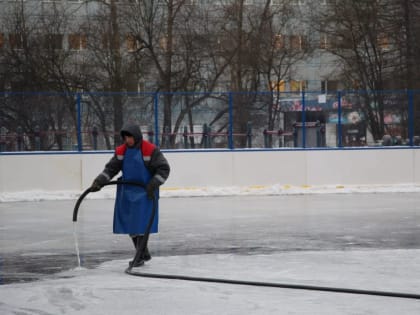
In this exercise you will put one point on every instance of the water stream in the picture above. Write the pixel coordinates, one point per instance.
(76, 244)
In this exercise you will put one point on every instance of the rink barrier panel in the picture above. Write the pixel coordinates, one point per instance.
(74, 171)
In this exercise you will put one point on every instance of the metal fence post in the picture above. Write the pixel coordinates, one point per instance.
(79, 122)
(205, 137)
(280, 134)
(150, 134)
(303, 120)
(230, 133)
(19, 138)
(156, 107)
(69, 140)
(209, 138)
(249, 134)
(185, 137)
(339, 133)
(3, 134)
(411, 117)
(37, 138)
(167, 136)
(265, 134)
(95, 137)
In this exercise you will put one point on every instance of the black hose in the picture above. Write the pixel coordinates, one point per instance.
(79, 201)
(140, 251)
(278, 285)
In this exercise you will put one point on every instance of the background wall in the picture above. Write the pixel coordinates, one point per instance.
(72, 171)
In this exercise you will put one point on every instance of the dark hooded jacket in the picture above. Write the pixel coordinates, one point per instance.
(153, 158)
(132, 130)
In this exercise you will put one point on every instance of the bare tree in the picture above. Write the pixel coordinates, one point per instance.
(404, 20)
(36, 61)
(263, 49)
(151, 24)
(357, 34)
(178, 39)
(280, 43)
(108, 66)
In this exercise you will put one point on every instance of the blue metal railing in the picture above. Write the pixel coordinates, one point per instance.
(43, 121)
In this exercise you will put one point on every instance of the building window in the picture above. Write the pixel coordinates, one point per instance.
(141, 85)
(297, 42)
(106, 41)
(325, 42)
(278, 41)
(109, 42)
(131, 43)
(298, 86)
(356, 85)
(77, 41)
(343, 41)
(135, 85)
(329, 86)
(383, 42)
(163, 43)
(278, 86)
(16, 41)
(53, 41)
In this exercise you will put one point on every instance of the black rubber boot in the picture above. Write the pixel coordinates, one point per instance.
(136, 242)
(134, 239)
(137, 264)
(146, 254)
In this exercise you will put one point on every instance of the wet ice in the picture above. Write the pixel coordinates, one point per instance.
(364, 241)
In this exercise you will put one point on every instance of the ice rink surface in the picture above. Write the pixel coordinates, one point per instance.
(368, 241)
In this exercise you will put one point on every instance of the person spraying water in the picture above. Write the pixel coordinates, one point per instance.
(140, 161)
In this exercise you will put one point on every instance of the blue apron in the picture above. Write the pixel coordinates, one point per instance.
(133, 209)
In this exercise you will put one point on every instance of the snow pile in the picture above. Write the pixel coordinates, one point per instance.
(255, 190)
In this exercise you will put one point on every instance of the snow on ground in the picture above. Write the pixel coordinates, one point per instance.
(108, 290)
(109, 191)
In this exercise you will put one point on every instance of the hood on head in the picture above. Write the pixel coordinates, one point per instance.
(133, 130)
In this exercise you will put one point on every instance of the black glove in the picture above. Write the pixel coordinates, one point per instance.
(151, 187)
(98, 183)
(95, 186)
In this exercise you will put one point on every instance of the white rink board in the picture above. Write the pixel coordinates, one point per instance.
(57, 172)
